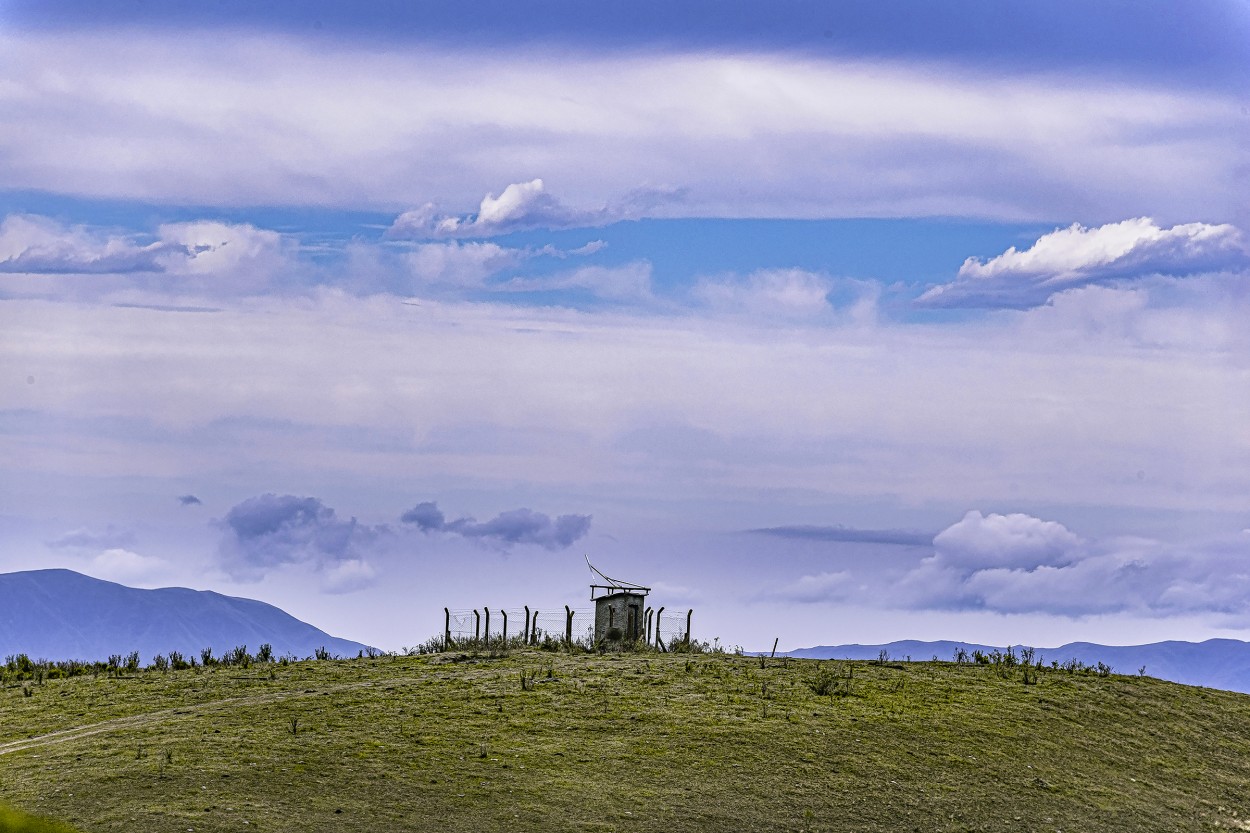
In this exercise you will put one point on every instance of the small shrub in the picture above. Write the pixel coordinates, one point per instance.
(264, 654)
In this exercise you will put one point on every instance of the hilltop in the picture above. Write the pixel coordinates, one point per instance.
(63, 615)
(533, 740)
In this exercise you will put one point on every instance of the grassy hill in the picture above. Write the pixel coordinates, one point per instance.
(546, 741)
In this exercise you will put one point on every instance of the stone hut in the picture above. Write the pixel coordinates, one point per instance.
(620, 609)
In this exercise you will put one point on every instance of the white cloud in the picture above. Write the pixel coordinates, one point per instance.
(814, 589)
(522, 205)
(1078, 256)
(784, 292)
(285, 121)
(39, 245)
(464, 265)
(348, 576)
(471, 265)
(629, 282)
(980, 542)
(127, 567)
(1022, 564)
(200, 256)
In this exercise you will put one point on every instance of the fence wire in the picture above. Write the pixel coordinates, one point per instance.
(667, 626)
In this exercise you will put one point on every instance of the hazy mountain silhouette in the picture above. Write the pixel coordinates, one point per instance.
(62, 615)
(1216, 663)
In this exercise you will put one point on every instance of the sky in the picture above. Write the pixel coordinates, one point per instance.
(834, 323)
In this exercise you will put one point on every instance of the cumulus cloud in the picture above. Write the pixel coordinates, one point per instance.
(1013, 541)
(1022, 564)
(269, 531)
(518, 526)
(521, 206)
(1078, 256)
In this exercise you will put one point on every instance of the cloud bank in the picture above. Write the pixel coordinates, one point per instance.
(1021, 564)
(1077, 256)
(518, 526)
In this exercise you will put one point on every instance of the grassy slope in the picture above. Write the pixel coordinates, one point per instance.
(624, 742)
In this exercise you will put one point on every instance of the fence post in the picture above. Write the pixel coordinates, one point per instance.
(659, 643)
(446, 629)
(650, 611)
(689, 613)
(487, 609)
(568, 627)
(525, 634)
(477, 625)
(534, 628)
(505, 626)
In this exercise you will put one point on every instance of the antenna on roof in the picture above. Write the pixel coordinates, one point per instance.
(612, 585)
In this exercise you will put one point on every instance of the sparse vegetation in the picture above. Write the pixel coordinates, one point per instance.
(648, 740)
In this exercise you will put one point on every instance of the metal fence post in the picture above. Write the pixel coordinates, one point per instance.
(650, 612)
(505, 625)
(659, 643)
(689, 613)
(568, 627)
(525, 634)
(534, 628)
(477, 625)
(487, 609)
(446, 629)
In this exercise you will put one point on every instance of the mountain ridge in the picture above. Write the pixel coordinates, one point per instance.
(1213, 663)
(60, 614)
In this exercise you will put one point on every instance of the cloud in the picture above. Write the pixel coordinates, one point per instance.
(522, 206)
(1022, 564)
(269, 531)
(463, 265)
(200, 255)
(1077, 256)
(630, 282)
(128, 567)
(39, 245)
(470, 265)
(189, 500)
(813, 589)
(842, 534)
(347, 576)
(86, 539)
(747, 134)
(787, 292)
(518, 526)
(980, 542)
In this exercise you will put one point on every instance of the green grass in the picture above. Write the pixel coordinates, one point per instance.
(13, 821)
(624, 742)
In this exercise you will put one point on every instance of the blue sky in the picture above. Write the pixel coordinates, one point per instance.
(837, 322)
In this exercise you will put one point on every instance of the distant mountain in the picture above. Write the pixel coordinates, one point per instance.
(61, 615)
(1216, 663)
